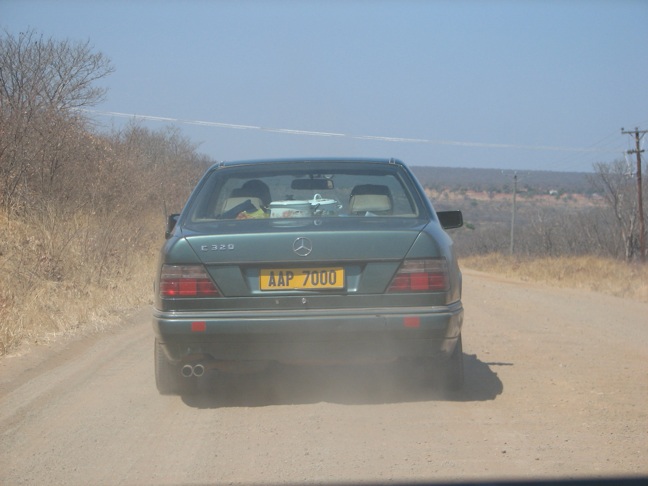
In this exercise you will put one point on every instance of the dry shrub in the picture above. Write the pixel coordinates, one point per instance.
(80, 249)
(64, 272)
(605, 275)
(82, 212)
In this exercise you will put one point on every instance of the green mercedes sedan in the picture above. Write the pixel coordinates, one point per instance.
(307, 262)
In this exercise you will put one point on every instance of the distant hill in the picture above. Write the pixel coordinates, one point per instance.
(495, 180)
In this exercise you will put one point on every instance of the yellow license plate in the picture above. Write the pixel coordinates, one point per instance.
(301, 278)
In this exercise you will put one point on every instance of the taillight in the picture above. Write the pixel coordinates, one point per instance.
(186, 281)
(429, 275)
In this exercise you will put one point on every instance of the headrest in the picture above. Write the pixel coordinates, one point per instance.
(374, 203)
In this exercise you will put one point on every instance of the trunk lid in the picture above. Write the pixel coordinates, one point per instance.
(365, 255)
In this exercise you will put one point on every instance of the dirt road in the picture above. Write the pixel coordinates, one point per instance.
(556, 386)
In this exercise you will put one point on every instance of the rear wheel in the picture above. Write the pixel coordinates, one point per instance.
(452, 375)
(168, 379)
(447, 374)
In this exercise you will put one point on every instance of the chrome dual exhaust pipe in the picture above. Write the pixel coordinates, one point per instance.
(196, 370)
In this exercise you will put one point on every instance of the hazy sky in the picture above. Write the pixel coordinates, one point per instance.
(499, 84)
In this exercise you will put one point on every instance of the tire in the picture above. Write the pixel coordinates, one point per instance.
(452, 375)
(167, 375)
(447, 375)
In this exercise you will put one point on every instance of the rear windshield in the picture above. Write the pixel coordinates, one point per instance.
(305, 190)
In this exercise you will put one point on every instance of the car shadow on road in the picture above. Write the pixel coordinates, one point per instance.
(357, 385)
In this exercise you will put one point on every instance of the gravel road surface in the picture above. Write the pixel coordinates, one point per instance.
(556, 387)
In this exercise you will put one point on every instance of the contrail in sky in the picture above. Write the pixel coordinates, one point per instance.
(289, 131)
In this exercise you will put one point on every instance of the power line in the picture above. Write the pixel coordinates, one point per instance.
(572, 160)
(289, 131)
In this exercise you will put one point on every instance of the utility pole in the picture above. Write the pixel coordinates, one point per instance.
(515, 178)
(638, 134)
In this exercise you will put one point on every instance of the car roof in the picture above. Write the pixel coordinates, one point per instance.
(367, 160)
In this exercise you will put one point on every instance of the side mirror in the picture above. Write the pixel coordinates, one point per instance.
(450, 219)
(171, 222)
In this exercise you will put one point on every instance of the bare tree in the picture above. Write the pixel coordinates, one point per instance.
(40, 73)
(42, 83)
(615, 182)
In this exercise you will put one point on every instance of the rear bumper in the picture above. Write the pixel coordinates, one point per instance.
(310, 336)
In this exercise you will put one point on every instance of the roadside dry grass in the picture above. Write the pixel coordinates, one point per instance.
(77, 274)
(598, 274)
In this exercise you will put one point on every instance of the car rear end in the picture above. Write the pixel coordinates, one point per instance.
(368, 276)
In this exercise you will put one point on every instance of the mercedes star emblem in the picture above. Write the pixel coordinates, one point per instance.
(303, 246)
